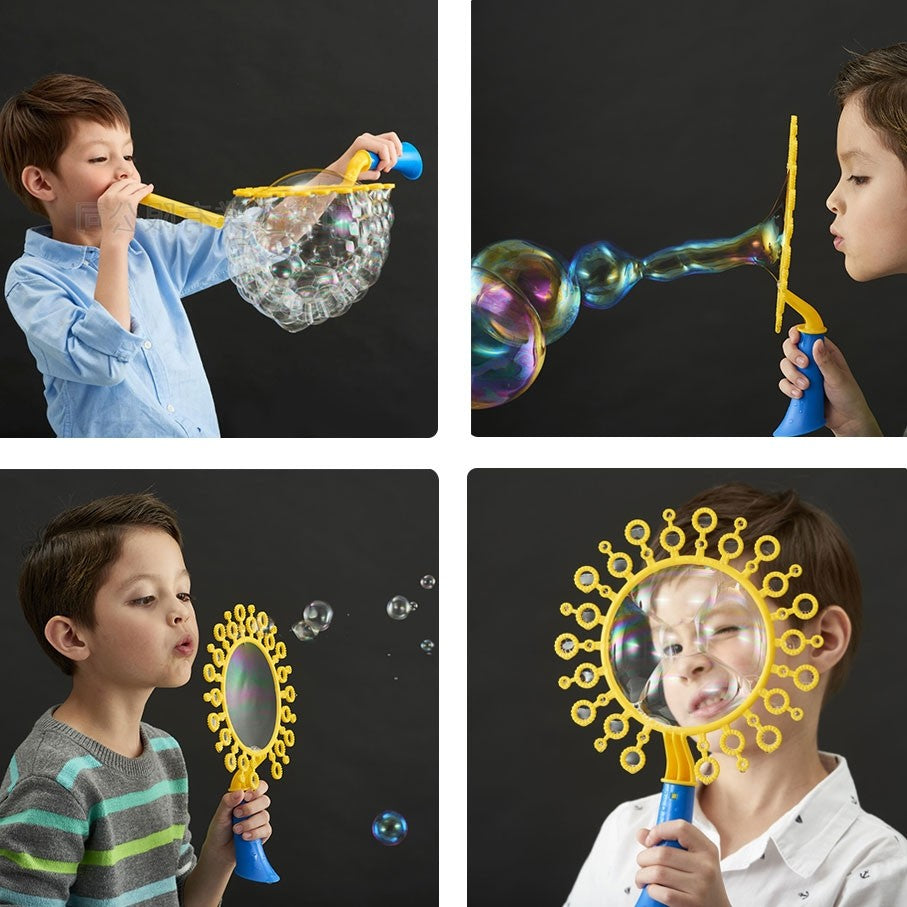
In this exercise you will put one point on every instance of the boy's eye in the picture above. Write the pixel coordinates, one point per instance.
(673, 649)
(144, 600)
(858, 180)
(97, 160)
(185, 597)
(722, 631)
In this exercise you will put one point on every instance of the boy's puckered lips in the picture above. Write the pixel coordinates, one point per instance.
(186, 646)
(838, 239)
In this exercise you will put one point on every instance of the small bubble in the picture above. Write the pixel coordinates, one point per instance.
(318, 615)
(427, 646)
(389, 828)
(427, 581)
(304, 631)
(583, 712)
(587, 675)
(399, 607)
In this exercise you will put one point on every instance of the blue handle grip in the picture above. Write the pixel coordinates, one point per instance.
(409, 164)
(251, 862)
(806, 413)
(676, 803)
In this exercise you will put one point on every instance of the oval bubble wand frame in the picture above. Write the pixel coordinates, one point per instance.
(682, 773)
(308, 246)
(244, 626)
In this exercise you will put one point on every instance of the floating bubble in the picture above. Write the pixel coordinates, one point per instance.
(427, 582)
(318, 615)
(508, 342)
(389, 828)
(301, 259)
(304, 631)
(427, 646)
(399, 608)
(541, 275)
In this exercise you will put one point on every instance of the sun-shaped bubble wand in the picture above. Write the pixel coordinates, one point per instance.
(688, 649)
(308, 246)
(251, 699)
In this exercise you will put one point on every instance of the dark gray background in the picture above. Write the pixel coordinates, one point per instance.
(538, 790)
(227, 94)
(366, 730)
(648, 126)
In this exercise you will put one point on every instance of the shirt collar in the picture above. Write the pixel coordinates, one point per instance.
(805, 835)
(39, 242)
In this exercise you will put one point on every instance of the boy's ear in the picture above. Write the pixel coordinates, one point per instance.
(833, 624)
(35, 181)
(64, 636)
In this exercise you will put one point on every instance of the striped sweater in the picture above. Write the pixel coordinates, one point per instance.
(83, 826)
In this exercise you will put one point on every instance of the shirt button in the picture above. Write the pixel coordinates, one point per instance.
(170, 408)
(147, 344)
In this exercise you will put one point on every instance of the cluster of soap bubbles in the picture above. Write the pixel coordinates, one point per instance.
(389, 828)
(316, 618)
(301, 259)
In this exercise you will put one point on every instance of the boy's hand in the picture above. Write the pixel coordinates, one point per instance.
(387, 146)
(117, 207)
(251, 807)
(846, 409)
(680, 878)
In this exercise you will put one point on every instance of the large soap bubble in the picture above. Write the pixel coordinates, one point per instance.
(541, 275)
(308, 247)
(508, 343)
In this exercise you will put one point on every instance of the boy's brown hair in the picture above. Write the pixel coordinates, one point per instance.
(36, 125)
(878, 80)
(68, 562)
(808, 536)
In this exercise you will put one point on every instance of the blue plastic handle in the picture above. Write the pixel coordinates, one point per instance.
(806, 413)
(251, 862)
(676, 803)
(409, 164)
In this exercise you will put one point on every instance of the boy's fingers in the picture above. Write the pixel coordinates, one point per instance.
(793, 374)
(792, 352)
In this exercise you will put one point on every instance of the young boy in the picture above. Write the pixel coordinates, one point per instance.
(790, 829)
(93, 806)
(99, 292)
(870, 208)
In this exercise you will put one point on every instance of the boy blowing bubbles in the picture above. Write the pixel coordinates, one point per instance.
(870, 225)
(790, 829)
(99, 293)
(94, 804)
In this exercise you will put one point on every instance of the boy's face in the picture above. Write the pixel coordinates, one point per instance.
(869, 201)
(95, 158)
(145, 635)
(710, 641)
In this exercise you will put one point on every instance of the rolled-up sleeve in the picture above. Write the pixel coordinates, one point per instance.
(69, 340)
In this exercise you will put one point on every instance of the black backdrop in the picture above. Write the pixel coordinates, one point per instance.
(366, 730)
(648, 125)
(538, 790)
(227, 94)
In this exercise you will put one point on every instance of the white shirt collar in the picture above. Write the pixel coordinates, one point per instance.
(805, 835)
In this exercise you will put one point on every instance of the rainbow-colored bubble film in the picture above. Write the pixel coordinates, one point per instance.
(541, 276)
(599, 276)
(687, 646)
(251, 698)
(508, 342)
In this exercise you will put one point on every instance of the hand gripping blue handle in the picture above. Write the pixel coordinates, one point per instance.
(676, 803)
(251, 862)
(806, 413)
(409, 164)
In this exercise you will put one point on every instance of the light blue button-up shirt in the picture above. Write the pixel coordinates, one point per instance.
(101, 380)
